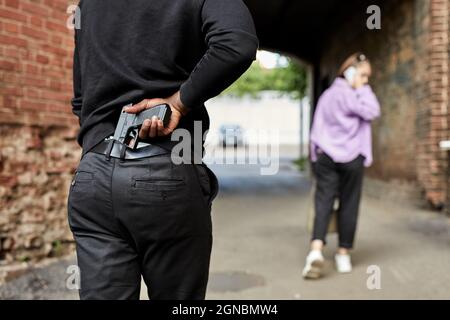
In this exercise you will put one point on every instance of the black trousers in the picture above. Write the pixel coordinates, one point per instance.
(145, 217)
(342, 180)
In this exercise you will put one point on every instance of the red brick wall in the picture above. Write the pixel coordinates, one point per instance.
(38, 152)
(36, 61)
(448, 126)
(431, 161)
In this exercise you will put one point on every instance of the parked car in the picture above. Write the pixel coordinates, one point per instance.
(231, 135)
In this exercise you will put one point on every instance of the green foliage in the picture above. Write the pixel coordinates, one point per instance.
(57, 246)
(289, 80)
(301, 164)
(24, 258)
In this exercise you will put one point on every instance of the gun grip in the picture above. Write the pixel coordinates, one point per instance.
(163, 112)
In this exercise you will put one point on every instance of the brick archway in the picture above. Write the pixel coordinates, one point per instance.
(38, 148)
(410, 58)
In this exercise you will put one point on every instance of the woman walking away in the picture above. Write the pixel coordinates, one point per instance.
(341, 147)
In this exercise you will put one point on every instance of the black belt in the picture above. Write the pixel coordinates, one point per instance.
(129, 154)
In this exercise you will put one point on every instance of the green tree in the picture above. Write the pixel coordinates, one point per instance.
(288, 80)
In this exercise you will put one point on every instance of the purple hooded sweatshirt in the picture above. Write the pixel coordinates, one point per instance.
(341, 126)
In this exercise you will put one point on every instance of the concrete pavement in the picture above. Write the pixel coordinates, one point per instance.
(261, 240)
(269, 239)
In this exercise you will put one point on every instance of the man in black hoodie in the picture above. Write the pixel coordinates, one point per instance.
(144, 214)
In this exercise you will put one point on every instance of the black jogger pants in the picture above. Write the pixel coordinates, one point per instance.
(343, 180)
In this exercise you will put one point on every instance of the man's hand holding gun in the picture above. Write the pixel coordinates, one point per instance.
(154, 127)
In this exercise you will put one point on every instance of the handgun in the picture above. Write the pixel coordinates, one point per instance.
(127, 130)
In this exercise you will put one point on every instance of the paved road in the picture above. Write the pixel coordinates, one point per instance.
(260, 231)
(261, 239)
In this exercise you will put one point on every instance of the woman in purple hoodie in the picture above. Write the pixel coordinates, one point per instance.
(341, 146)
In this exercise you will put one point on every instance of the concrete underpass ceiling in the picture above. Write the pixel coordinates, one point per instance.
(300, 26)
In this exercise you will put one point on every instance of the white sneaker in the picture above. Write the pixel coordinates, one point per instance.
(314, 265)
(343, 263)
